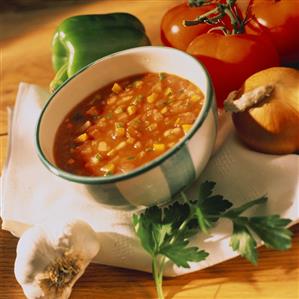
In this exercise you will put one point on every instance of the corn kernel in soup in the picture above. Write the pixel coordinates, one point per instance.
(127, 124)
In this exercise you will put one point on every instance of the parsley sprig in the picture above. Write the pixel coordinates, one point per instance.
(165, 232)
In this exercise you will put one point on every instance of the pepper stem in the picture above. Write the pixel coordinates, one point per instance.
(59, 78)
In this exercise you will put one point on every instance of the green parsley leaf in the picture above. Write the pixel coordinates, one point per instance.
(176, 213)
(243, 242)
(119, 125)
(203, 222)
(151, 230)
(213, 206)
(160, 232)
(232, 213)
(108, 115)
(131, 158)
(209, 209)
(205, 190)
(272, 230)
(98, 157)
(162, 76)
(181, 255)
(153, 214)
(143, 229)
(165, 232)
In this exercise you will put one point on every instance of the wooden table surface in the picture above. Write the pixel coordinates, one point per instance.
(25, 56)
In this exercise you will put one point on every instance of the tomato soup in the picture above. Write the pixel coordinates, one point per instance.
(126, 124)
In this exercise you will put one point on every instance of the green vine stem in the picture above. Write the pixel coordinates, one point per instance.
(215, 16)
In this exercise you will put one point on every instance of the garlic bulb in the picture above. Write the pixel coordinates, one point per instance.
(51, 258)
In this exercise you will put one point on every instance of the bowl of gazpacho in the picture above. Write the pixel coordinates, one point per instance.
(139, 124)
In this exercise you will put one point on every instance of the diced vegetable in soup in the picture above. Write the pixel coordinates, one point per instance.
(127, 124)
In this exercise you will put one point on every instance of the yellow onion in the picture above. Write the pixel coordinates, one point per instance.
(265, 111)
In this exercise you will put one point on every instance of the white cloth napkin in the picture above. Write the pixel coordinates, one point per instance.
(30, 194)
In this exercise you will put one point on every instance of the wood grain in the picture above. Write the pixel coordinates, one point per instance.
(3, 151)
(25, 56)
(276, 277)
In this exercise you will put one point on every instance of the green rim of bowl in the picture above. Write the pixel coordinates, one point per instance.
(208, 104)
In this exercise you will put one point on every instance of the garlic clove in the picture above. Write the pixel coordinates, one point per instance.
(52, 257)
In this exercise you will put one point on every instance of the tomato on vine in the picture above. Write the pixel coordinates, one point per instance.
(280, 20)
(227, 51)
(174, 33)
(231, 59)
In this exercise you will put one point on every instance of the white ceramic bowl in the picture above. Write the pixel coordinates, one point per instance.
(159, 180)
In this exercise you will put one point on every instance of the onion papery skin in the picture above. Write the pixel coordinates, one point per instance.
(272, 126)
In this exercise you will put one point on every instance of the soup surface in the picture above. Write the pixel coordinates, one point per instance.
(126, 124)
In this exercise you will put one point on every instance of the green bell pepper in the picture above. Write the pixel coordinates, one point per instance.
(80, 40)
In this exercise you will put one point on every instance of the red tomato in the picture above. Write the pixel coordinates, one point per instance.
(280, 19)
(174, 33)
(230, 59)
